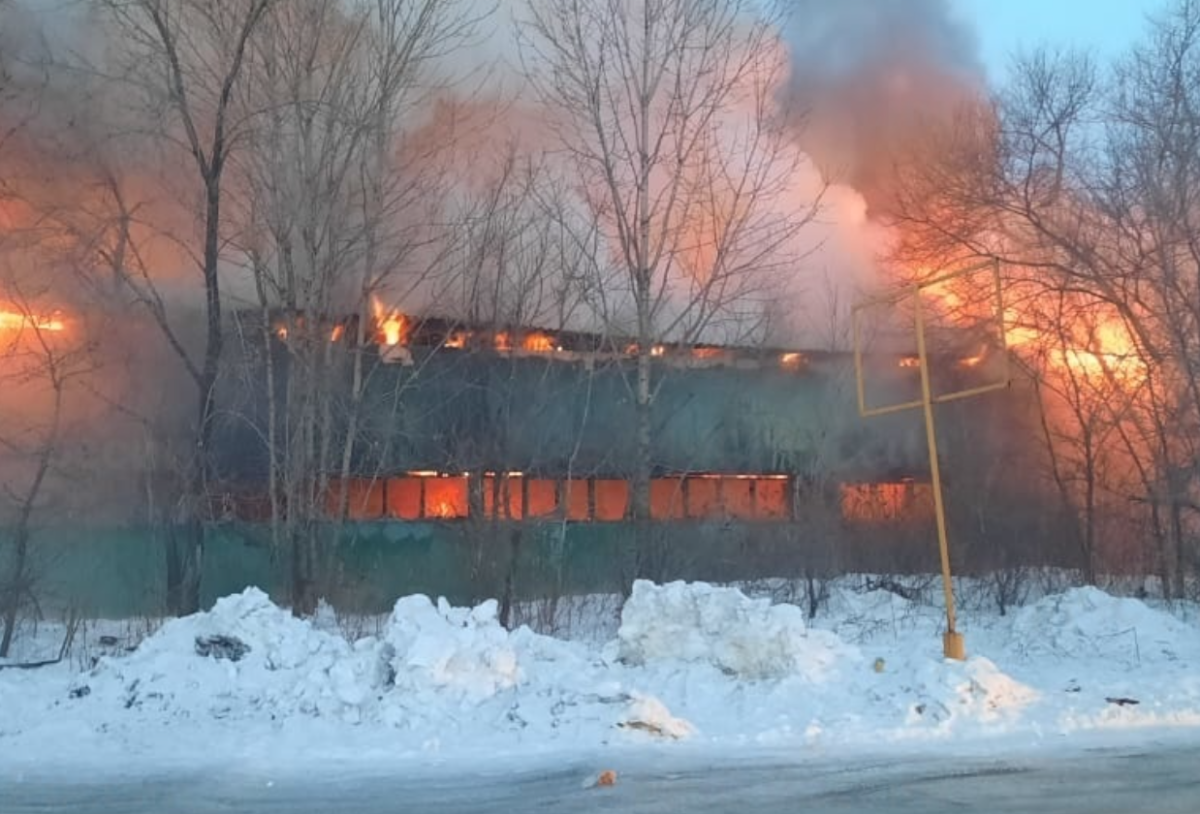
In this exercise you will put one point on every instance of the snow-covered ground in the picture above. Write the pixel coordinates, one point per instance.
(691, 666)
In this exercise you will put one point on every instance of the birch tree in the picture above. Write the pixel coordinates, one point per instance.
(335, 207)
(663, 112)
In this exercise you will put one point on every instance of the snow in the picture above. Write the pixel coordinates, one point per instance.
(690, 666)
(747, 638)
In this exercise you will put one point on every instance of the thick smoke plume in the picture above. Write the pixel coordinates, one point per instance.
(868, 76)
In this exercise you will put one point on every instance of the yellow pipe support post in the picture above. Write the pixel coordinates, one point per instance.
(953, 646)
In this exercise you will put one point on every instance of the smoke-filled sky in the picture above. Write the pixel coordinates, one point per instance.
(1105, 27)
(868, 76)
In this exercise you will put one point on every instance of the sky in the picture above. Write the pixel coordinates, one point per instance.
(1104, 27)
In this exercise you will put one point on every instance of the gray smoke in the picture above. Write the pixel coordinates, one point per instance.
(869, 75)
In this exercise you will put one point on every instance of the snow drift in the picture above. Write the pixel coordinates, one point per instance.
(689, 661)
(748, 638)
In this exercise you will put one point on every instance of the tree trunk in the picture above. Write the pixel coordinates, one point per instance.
(643, 466)
(187, 590)
(16, 587)
(18, 584)
(508, 597)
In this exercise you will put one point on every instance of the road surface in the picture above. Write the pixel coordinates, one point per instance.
(1162, 780)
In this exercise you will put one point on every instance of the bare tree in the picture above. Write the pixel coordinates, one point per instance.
(1088, 188)
(39, 362)
(663, 112)
(339, 207)
(185, 58)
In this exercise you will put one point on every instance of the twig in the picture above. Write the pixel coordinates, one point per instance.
(30, 665)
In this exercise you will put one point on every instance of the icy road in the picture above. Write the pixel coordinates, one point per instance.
(1164, 780)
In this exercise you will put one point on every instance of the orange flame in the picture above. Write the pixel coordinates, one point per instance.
(972, 361)
(503, 342)
(791, 361)
(392, 325)
(539, 342)
(910, 361)
(1098, 346)
(17, 321)
(458, 339)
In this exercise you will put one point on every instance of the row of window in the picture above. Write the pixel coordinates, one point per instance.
(703, 497)
(512, 497)
(517, 497)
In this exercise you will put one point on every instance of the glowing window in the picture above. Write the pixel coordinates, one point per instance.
(404, 498)
(575, 498)
(883, 502)
(364, 498)
(612, 499)
(446, 498)
(737, 499)
(772, 496)
(542, 498)
(703, 497)
(505, 492)
(666, 498)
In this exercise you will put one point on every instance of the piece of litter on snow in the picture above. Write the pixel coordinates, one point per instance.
(608, 777)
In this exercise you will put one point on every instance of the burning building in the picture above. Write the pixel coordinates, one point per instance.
(465, 434)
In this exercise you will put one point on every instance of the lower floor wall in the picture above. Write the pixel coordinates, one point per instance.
(121, 572)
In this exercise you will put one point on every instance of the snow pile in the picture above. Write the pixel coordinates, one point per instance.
(1086, 623)
(748, 638)
(465, 650)
(289, 667)
(948, 695)
(689, 662)
(648, 714)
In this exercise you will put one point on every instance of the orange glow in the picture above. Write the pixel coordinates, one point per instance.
(707, 353)
(503, 342)
(392, 326)
(541, 498)
(1095, 344)
(772, 499)
(458, 339)
(539, 342)
(881, 502)
(446, 498)
(658, 350)
(404, 498)
(666, 498)
(575, 496)
(972, 361)
(910, 361)
(17, 321)
(703, 497)
(337, 333)
(612, 499)
(791, 361)
(364, 498)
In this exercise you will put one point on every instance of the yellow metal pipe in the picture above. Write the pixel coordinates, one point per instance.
(970, 391)
(942, 399)
(892, 408)
(858, 368)
(952, 642)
